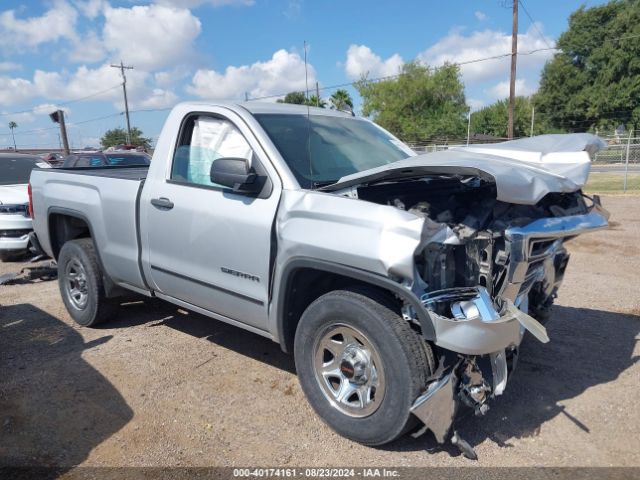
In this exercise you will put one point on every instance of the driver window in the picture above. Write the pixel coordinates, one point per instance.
(203, 140)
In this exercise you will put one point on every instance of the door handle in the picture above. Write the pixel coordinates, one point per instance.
(162, 202)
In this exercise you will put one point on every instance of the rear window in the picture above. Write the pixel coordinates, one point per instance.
(16, 171)
(115, 160)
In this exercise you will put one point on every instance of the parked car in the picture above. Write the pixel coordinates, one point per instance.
(15, 220)
(54, 159)
(106, 159)
(402, 284)
(117, 148)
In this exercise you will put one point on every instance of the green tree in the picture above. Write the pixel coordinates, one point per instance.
(341, 100)
(594, 81)
(316, 102)
(422, 103)
(118, 136)
(12, 126)
(296, 98)
(492, 120)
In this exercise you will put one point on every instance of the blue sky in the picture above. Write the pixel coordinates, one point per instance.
(56, 52)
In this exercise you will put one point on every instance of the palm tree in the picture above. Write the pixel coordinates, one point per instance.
(341, 100)
(12, 126)
(314, 101)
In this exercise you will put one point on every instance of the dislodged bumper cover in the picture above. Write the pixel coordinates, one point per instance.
(477, 327)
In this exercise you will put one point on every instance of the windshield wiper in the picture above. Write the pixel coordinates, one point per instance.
(320, 185)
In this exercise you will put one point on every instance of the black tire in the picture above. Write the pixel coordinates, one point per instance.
(80, 254)
(407, 362)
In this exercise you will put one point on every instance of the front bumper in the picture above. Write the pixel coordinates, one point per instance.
(488, 331)
(478, 327)
(14, 232)
(468, 321)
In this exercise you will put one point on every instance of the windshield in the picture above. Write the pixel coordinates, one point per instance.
(16, 170)
(321, 149)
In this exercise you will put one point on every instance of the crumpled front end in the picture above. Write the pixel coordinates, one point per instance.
(478, 328)
(486, 271)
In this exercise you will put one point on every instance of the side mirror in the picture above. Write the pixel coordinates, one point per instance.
(235, 173)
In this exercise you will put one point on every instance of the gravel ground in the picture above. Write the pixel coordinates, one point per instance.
(163, 387)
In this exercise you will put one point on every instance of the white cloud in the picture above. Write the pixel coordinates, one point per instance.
(47, 108)
(8, 66)
(158, 98)
(150, 36)
(169, 78)
(63, 86)
(91, 8)
(19, 118)
(475, 104)
(89, 49)
(362, 61)
(197, 3)
(283, 73)
(56, 23)
(293, 10)
(84, 81)
(500, 91)
(458, 48)
(15, 90)
(480, 15)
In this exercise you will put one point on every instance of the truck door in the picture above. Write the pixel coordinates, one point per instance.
(208, 245)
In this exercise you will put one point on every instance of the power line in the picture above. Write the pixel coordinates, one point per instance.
(96, 119)
(68, 102)
(534, 24)
(466, 62)
(80, 99)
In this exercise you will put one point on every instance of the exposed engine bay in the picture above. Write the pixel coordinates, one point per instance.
(486, 271)
(474, 252)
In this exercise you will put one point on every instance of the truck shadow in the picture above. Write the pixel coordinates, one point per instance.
(157, 313)
(587, 348)
(54, 407)
(580, 355)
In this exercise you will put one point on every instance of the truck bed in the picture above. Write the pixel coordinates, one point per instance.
(107, 200)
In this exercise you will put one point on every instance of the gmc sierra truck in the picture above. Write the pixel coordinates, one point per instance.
(402, 283)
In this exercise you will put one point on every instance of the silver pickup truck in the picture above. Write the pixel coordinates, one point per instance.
(402, 283)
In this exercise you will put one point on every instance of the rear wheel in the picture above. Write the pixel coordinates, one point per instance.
(361, 365)
(80, 282)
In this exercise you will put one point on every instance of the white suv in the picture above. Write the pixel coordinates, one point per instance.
(15, 221)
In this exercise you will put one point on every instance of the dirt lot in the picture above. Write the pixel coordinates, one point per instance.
(161, 387)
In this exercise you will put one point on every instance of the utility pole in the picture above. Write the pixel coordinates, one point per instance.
(514, 57)
(533, 116)
(317, 95)
(58, 117)
(306, 75)
(469, 127)
(122, 68)
(626, 164)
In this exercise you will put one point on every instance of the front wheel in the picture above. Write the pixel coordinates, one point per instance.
(361, 365)
(80, 282)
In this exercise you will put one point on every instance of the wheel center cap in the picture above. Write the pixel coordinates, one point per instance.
(354, 364)
(347, 369)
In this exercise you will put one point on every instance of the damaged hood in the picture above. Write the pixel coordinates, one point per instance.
(524, 171)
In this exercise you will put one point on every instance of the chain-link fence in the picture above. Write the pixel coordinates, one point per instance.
(610, 172)
(617, 153)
